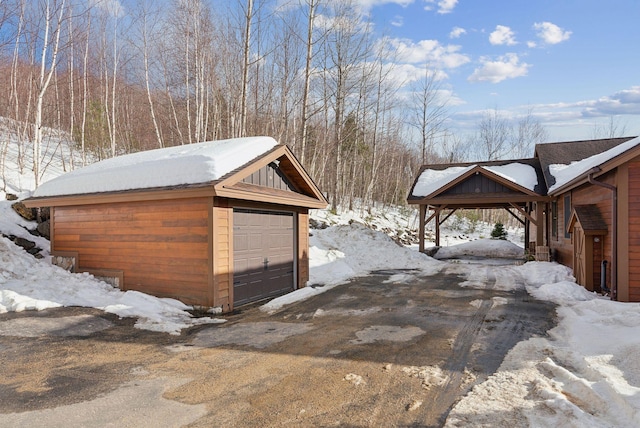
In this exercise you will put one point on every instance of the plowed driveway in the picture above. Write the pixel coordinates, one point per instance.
(390, 349)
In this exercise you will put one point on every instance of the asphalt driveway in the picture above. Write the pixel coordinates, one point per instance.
(390, 349)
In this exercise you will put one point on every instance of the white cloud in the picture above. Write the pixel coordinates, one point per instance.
(444, 6)
(505, 67)
(550, 33)
(456, 32)
(531, 44)
(426, 51)
(626, 101)
(502, 35)
(397, 21)
(408, 73)
(367, 5)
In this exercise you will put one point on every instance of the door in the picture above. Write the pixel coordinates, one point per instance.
(263, 254)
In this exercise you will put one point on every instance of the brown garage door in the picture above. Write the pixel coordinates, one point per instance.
(263, 254)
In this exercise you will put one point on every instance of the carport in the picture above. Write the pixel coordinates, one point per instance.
(516, 186)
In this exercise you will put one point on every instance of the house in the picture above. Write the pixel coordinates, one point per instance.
(579, 201)
(215, 224)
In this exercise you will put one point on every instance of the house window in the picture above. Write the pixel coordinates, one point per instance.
(554, 219)
(567, 215)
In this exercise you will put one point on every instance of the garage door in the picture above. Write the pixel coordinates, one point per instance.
(263, 254)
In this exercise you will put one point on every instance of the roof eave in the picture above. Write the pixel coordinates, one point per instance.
(602, 169)
(162, 193)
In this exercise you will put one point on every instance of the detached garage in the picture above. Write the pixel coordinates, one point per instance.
(215, 224)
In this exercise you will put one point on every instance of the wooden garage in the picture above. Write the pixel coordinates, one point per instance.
(213, 224)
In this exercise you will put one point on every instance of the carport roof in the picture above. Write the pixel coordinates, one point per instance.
(495, 184)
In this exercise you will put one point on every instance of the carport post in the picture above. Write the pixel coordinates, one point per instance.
(421, 227)
(541, 224)
(437, 227)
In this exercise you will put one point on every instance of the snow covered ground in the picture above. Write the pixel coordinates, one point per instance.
(585, 374)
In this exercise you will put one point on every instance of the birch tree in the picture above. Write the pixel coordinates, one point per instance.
(54, 13)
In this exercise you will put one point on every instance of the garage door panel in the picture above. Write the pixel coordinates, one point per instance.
(265, 252)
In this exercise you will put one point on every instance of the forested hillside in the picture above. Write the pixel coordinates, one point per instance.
(156, 74)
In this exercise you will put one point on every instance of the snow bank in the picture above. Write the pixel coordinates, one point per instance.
(585, 374)
(492, 248)
(30, 284)
(172, 166)
(12, 224)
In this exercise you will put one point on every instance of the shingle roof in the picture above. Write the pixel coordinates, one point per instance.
(571, 151)
(589, 217)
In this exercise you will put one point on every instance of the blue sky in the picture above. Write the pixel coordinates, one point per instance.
(575, 63)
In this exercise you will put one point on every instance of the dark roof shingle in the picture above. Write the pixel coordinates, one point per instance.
(572, 151)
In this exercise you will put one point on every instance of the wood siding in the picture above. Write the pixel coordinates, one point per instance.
(162, 247)
(634, 232)
(223, 254)
(303, 249)
(586, 194)
(268, 176)
(478, 184)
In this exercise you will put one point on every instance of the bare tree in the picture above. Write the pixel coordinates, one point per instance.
(54, 13)
(246, 46)
(429, 112)
(530, 132)
(312, 6)
(145, 19)
(494, 134)
(612, 129)
(454, 149)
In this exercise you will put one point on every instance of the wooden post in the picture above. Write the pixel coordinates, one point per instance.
(437, 227)
(423, 215)
(541, 224)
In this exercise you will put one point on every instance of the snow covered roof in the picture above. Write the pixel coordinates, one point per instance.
(517, 172)
(173, 166)
(565, 173)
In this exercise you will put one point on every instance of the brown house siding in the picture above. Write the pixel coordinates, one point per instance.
(303, 249)
(634, 231)
(222, 254)
(586, 195)
(162, 247)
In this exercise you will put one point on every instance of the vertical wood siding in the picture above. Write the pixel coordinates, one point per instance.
(222, 254)
(162, 247)
(634, 232)
(303, 248)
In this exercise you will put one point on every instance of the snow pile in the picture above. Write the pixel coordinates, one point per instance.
(492, 248)
(29, 284)
(12, 224)
(342, 252)
(585, 374)
(172, 166)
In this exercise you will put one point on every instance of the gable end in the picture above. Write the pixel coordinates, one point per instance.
(477, 184)
(270, 176)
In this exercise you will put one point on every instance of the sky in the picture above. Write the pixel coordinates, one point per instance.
(573, 63)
